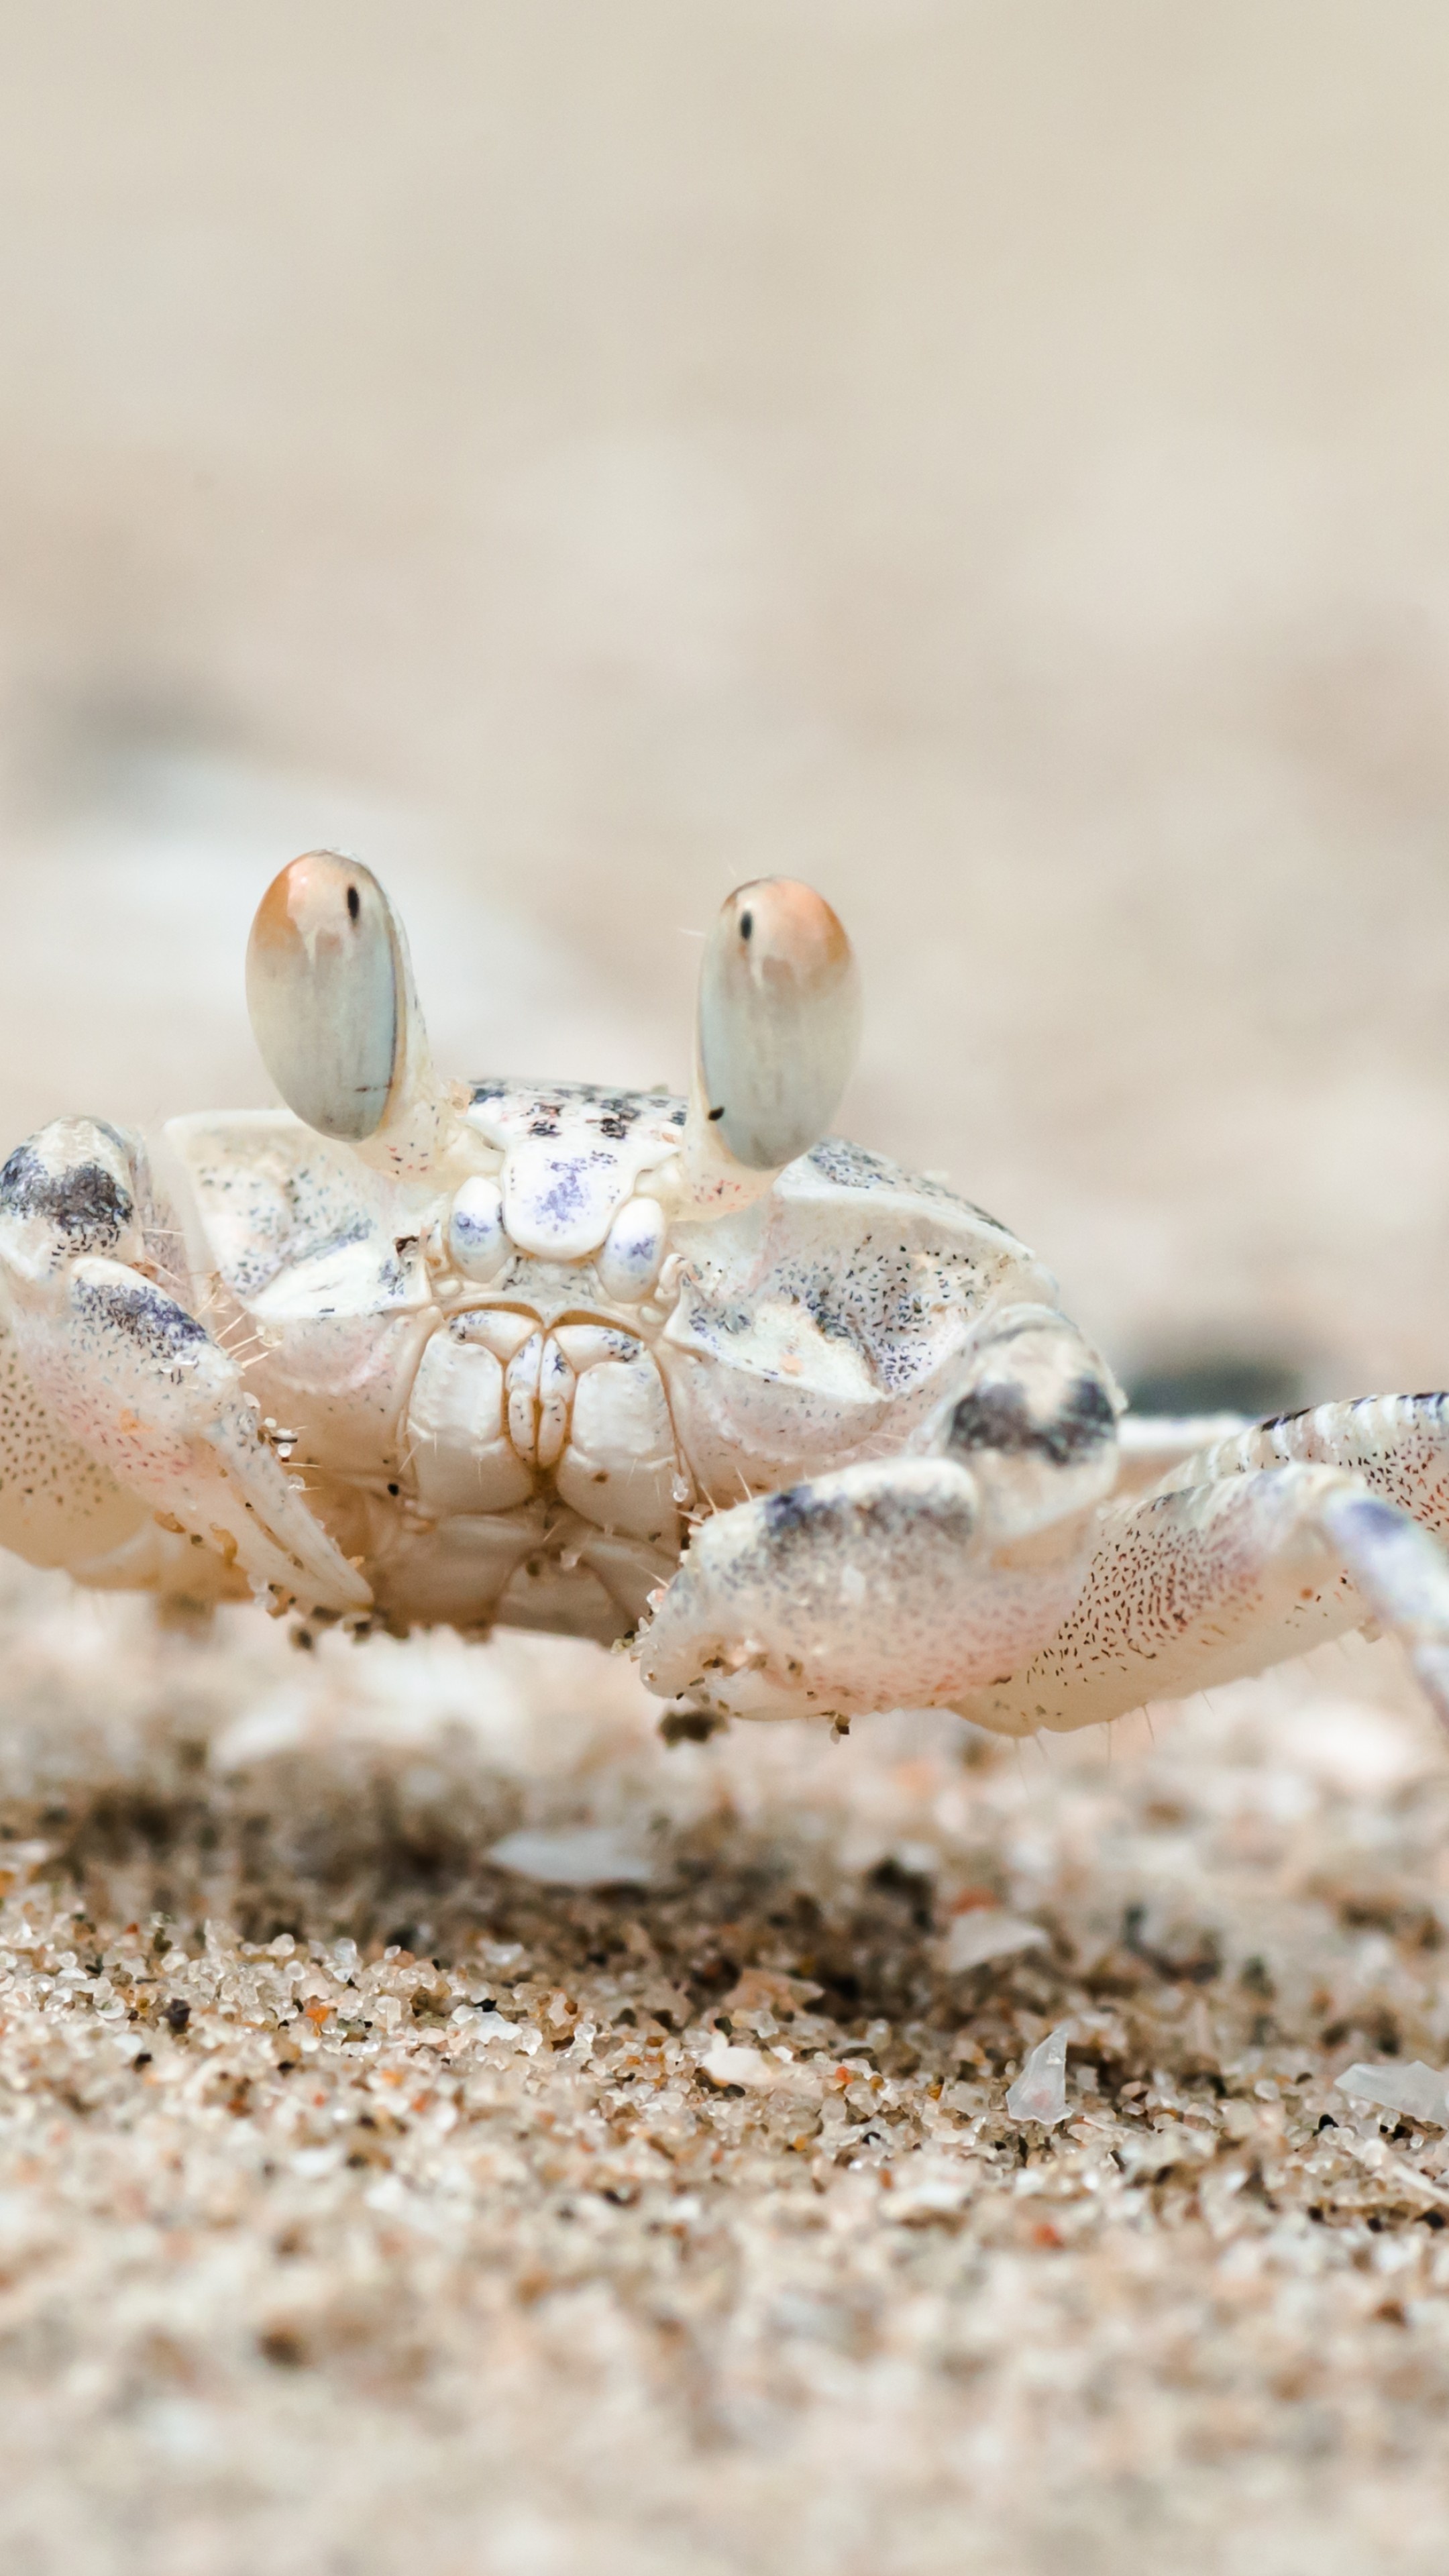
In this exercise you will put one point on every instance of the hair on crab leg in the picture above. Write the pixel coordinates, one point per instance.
(224, 1335)
(1019, 1744)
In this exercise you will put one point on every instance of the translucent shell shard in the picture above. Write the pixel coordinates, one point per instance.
(779, 1019)
(327, 989)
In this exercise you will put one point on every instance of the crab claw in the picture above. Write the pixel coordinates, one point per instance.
(335, 1014)
(775, 1038)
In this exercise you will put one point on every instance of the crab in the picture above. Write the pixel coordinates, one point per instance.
(808, 1434)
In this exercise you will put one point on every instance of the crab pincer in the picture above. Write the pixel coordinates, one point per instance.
(811, 1434)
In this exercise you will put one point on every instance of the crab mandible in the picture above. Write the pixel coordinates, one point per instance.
(810, 1433)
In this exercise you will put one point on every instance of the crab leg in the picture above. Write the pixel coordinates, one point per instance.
(1398, 1444)
(1210, 1581)
(127, 1371)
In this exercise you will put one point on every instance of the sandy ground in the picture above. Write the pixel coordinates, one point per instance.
(989, 462)
(365, 2205)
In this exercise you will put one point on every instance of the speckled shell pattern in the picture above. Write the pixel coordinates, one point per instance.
(816, 1446)
(534, 1446)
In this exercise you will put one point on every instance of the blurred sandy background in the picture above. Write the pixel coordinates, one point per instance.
(989, 460)
(986, 459)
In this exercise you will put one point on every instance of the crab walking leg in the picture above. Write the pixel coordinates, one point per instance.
(125, 1370)
(1207, 1582)
(1152, 1447)
(1398, 1445)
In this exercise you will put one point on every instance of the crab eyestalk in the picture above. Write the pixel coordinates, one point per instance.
(775, 1040)
(335, 1015)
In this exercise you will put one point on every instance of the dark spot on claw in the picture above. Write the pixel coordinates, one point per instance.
(747, 925)
(1001, 1418)
(790, 1514)
(86, 1204)
(354, 903)
(160, 1328)
(801, 1518)
(714, 1114)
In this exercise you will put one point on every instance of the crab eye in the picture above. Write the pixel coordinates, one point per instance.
(779, 1016)
(327, 990)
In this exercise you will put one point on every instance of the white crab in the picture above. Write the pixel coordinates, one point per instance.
(811, 1432)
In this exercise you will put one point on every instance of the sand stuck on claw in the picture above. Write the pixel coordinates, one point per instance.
(368, 2202)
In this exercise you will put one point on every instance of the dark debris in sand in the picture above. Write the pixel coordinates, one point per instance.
(362, 2203)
